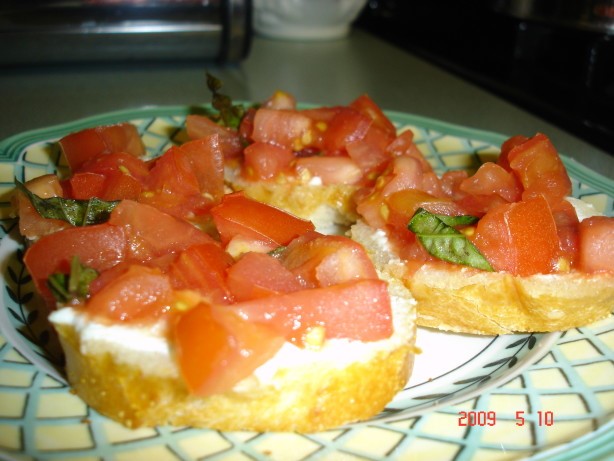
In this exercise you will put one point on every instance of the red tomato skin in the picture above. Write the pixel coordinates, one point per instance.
(216, 349)
(289, 129)
(540, 170)
(491, 185)
(201, 126)
(138, 294)
(596, 241)
(331, 170)
(152, 233)
(520, 238)
(347, 125)
(506, 148)
(359, 310)
(321, 261)
(264, 161)
(100, 246)
(86, 144)
(239, 215)
(203, 268)
(366, 106)
(257, 275)
(84, 186)
(567, 228)
(206, 159)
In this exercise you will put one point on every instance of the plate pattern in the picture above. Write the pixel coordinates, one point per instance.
(560, 406)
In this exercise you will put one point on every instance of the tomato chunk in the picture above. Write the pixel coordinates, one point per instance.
(285, 128)
(201, 126)
(597, 244)
(540, 169)
(366, 106)
(331, 170)
(151, 233)
(265, 161)
(520, 238)
(239, 215)
(256, 275)
(216, 348)
(358, 310)
(321, 261)
(140, 293)
(203, 268)
(100, 246)
(86, 144)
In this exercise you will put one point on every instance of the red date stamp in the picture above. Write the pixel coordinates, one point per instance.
(489, 418)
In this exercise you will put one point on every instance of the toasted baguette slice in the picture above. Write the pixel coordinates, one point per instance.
(468, 300)
(304, 391)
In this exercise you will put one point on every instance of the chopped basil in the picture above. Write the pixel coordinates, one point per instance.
(438, 236)
(72, 287)
(75, 212)
(230, 114)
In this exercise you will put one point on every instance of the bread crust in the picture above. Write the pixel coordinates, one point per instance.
(312, 398)
(466, 300)
(471, 301)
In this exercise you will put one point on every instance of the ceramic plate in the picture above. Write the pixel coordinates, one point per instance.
(469, 398)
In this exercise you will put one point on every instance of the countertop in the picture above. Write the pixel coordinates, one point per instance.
(327, 72)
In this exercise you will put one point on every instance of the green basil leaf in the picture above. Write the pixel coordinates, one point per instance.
(74, 286)
(230, 114)
(75, 212)
(443, 241)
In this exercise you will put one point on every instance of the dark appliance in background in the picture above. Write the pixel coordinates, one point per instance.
(61, 31)
(554, 58)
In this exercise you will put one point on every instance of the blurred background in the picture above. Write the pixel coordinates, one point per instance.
(554, 58)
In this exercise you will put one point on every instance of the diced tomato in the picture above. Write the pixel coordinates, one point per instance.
(370, 153)
(203, 268)
(100, 247)
(490, 186)
(206, 160)
(540, 169)
(239, 215)
(566, 220)
(246, 127)
(86, 144)
(140, 293)
(84, 186)
(596, 244)
(216, 349)
(357, 310)
(319, 260)
(285, 128)
(31, 224)
(402, 205)
(346, 126)
(405, 172)
(123, 175)
(173, 186)
(114, 163)
(506, 148)
(331, 170)
(404, 146)
(519, 238)
(366, 106)
(201, 126)
(264, 161)
(152, 233)
(257, 275)
(280, 100)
